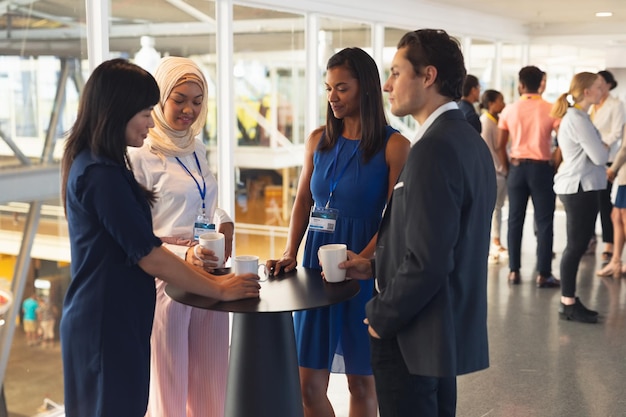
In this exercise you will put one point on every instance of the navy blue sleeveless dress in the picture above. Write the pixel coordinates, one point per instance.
(335, 338)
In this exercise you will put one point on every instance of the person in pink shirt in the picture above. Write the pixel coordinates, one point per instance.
(528, 126)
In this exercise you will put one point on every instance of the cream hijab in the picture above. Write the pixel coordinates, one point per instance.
(163, 140)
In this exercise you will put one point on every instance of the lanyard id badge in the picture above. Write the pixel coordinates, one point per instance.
(202, 225)
(323, 219)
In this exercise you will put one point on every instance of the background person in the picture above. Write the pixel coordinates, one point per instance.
(616, 174)
(528, 126)
(428, 322)
(608, 116)
(492, 102)
(47, 315)
(109, 305)
(29, 319)
(189, 346)
(581, 175)
(349, 170)
(471, 95)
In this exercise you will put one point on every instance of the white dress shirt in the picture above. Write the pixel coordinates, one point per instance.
(430, 119)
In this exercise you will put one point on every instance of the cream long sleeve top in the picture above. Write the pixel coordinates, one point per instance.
(617, 164)
(584, 155)
(609, 119)
(178, 198)
(490, 134)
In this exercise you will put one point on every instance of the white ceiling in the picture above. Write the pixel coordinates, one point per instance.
(544, 11)
(548, 22)
(551, 19)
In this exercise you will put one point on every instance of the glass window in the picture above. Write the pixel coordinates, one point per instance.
(270, 101)
(406, 124)
(41, 54)
(335, 35)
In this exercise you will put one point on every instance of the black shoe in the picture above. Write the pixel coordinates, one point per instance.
(548, 282)
(585, 309)
(514, 278)
(576, 312)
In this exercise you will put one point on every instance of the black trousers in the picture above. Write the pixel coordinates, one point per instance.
(604, 198)
(401, 394)
(581, 210)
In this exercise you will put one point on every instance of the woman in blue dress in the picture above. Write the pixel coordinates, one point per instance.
(109, 305)
(351, 165)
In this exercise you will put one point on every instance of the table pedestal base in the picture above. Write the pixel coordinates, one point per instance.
(263, 378)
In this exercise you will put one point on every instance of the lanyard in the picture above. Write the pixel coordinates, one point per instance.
(334, 181)
(202, 190)
(492, 118)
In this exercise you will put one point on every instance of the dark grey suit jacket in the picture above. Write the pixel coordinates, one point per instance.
(470, 114)
(431, 254)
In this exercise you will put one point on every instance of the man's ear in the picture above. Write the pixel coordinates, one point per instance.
(430, 75)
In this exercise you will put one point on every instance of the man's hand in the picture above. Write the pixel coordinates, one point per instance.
(610, 174)
(357, 267)
(371, 330)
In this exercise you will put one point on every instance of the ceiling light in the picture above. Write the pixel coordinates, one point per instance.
(604, 14)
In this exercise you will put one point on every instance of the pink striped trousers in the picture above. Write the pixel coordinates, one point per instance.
(189, 360)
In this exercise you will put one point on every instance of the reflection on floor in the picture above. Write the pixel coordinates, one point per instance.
(540, 366)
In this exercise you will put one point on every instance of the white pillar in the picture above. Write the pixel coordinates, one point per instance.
(313, 75)
(497, 66)
(466, 46)
(97, 31)
(378, 45)
(525, 54)
(226, 109)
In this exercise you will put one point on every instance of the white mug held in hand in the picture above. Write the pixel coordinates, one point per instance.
(331, 256)
(214, 241)
(249, 264)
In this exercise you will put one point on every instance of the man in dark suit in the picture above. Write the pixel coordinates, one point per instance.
(471, 95)
(428, 321)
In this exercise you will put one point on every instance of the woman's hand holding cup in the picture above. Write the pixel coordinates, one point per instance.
(204, 258)
(235, 287)
(211, 250)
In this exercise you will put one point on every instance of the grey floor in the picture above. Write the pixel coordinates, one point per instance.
(540, 366)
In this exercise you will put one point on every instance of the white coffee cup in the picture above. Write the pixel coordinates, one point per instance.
(214, 241)
(331, 256)
(249, 264)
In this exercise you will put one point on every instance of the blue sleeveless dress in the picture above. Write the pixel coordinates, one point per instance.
(335, 338)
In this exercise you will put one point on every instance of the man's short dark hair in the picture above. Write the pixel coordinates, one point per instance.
(434, 47)
(470, 82)
(530, 77)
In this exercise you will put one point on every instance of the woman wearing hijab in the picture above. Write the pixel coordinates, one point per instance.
(189, 352)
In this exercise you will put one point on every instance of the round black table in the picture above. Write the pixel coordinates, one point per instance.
(263, 378)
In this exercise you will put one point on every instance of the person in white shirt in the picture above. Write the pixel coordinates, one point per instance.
(609, 117)
(189, 346)
(580, 177)
(615, 174)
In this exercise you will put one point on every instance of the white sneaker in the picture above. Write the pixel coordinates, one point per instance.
(499, 251)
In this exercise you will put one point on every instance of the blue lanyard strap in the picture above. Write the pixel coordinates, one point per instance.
(202, 190)
(334, 181)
